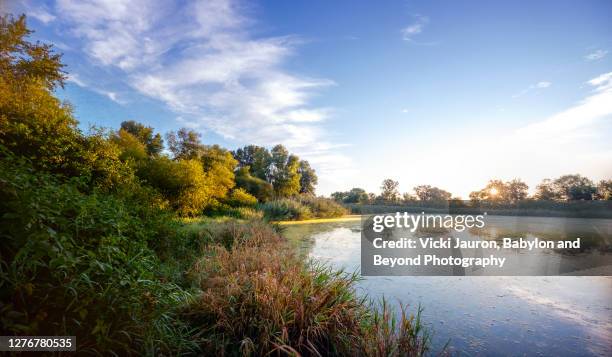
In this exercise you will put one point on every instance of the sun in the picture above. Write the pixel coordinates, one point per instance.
(493, 191)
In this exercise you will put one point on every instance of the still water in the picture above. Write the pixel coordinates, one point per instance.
(488, 315)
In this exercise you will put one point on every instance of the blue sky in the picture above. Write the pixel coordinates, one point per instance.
(448, 93)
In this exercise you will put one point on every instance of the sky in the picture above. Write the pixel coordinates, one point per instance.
(446, 93)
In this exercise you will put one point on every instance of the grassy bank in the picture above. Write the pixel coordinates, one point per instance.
(257, 297)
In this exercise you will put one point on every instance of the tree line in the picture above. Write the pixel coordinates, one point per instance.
(189, 176)
(565, 188)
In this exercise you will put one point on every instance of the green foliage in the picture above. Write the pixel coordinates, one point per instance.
(301, 207)
(355, 195)
(36, 125)
(144, 134)
(256, 159)
(285, 209)
(219, 166)
(183, 183)
(323, 207)
(86, 265)
(255, 186)
(240, 198)
(308, 178)
(285, 174)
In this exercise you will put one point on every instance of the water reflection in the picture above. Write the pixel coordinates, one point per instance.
(488, 315)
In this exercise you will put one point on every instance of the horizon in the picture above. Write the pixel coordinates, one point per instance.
(423, 97)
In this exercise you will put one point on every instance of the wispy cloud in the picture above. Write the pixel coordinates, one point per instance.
(575, 121)
(415, 28)
(596, 55)
(533, 87)
(74, 78)
(201, 60)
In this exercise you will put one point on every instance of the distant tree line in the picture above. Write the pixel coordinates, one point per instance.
(564, 188)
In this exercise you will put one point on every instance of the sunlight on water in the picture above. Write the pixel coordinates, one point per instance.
(483, 315)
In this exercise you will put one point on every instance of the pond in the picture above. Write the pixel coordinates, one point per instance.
(489, 315)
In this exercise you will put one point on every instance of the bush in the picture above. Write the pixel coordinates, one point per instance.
(87, 265)
(285, 209)
(241, 198)
(323, 207)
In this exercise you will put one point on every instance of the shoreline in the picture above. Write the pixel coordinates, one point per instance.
(346, 218)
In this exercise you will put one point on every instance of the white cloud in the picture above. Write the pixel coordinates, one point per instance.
(76, 79)
(573, 122)
(596, 55)
(543, 84)
(201, 60)
(41, 15)
(414, 28)
(539, 85)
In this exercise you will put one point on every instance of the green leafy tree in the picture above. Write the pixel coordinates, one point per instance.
(308, 178)
(153, 142)
(218, 165)
(285, 174)
(132, 149)
(258, 159)
(36, 125)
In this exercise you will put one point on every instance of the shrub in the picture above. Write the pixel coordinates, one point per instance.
(241, 198)
(86, 265)
(260, 299)
(285, 209)
(323, 207)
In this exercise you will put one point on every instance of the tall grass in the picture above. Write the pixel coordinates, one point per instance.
(258, 298)
(301, 208)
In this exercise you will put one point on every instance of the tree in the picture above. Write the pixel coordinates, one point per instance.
(153, 143)
(184, 144)
(285, 174)
(218, 165)
(339, 196)
(36, 125)
(604, 190)
(497, 190)
(545, 191)
(429, 193)
(516, 190)
(132, 149)
(574, 187)
(389, 190)
(308, 178)
(257, 158)
(356, 195)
